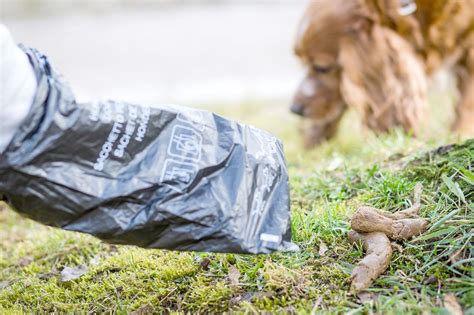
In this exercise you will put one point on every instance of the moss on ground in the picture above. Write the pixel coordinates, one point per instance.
(328, 184)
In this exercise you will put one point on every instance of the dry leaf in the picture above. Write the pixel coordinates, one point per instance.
(69, 274)
(25, 261)
(322, 248)
(452, 305)
(234, 275)
(205, 263)
(432, 280)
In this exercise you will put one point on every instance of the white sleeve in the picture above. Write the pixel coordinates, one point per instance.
(17, 87)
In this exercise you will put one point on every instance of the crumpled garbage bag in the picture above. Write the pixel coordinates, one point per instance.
(161, 176)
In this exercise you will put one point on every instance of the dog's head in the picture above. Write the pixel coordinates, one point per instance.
(351, 60)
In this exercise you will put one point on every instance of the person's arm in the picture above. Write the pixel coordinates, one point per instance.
(17, 87)
(155, 176)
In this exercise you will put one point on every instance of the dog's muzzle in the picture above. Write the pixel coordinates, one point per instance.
(297, 109)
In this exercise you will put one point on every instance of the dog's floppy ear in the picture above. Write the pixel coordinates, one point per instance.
(382, 77)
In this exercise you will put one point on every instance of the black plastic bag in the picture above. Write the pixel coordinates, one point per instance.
(153, 176)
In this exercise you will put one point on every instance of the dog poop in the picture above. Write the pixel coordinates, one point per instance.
(367, 220)
(375, 228)
(379, 253)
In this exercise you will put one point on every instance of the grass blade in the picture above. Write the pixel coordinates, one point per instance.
(454, 188)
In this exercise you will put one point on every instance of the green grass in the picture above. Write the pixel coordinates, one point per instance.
(328, 184)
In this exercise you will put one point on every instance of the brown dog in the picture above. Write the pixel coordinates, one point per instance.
(375, 55)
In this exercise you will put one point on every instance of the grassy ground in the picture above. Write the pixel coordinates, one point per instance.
(328, 184)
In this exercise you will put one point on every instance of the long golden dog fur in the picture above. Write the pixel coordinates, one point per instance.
(376, 57)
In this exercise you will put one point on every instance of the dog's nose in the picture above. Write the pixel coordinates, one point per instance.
(297, 109)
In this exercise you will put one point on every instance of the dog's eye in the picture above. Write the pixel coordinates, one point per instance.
(322, 69)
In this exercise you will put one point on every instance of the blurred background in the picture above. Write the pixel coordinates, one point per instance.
(233, 57)
(190, 52)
